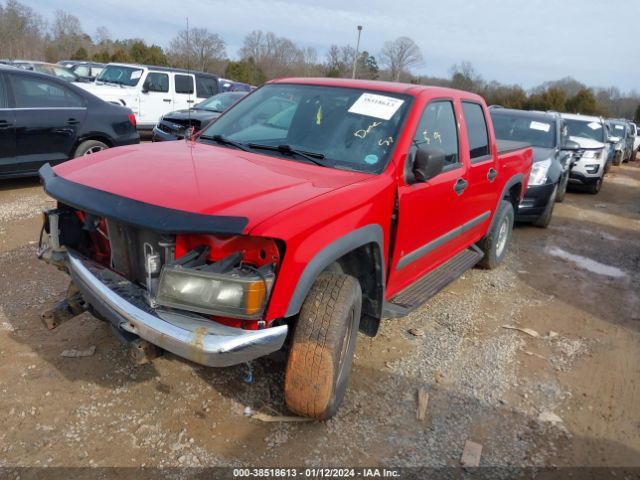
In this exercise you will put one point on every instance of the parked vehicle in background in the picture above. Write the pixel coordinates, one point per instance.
(69, 63)
(87, 70)
(48, 68)
(371, 198)
(174, 125)
(152, 91)
(631, 138)
(46, 120)
(590, 158)
(231, 86)
(636, 138)
(549, 176)
(618, 134)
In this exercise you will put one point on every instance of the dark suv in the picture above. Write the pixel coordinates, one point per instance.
(545, 132)
(46, 120)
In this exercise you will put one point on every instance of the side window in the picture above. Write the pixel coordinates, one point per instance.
(184, 84)
(33, 92)
(477, 131)
(206, 86)
(3, 94)
(157, 82)
(438, 128)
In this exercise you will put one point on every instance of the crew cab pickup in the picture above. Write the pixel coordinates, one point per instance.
(357, 200)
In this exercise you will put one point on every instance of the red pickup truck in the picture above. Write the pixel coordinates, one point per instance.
(307, 212)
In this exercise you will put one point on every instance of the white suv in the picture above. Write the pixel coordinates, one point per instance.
(151, 91)
(591, 159)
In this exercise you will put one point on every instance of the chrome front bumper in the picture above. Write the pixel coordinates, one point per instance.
(190, 336)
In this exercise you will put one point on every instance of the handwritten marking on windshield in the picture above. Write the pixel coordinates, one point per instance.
(363, 133)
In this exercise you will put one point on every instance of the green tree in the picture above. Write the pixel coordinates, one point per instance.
(81, 54)
(583, 102)
(636, 117)
(245, 71)
(140, 52)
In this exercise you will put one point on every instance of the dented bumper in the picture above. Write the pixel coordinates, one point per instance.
(190, 336)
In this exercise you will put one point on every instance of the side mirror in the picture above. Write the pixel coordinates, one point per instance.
(427, 163)
(571, 145)
(145, 87)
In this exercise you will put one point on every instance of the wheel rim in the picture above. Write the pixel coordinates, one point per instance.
(93, 150)
(346, 341)
(503, 233)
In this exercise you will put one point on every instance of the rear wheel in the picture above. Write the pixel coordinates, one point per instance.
(496, 242)
(321, 354)
(544, 220)
(90, 147)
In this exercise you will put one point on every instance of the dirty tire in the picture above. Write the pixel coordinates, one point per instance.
(562, 190)
(322, 349)
(595, 187)
(90, 147)
(544, 220)
(617, 159)
(493, 244)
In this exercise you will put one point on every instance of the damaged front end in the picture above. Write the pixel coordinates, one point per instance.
(198, 295)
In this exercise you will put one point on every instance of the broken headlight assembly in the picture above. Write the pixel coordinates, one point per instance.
(227, 287)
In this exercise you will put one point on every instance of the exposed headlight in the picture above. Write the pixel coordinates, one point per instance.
(538, 175)
(592, 154)
(233, 295)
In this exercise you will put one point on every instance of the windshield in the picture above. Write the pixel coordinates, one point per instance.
(220, 102)
(348, 128)
(585, 129)
(618, 130)
(120, 75)
(539, 132)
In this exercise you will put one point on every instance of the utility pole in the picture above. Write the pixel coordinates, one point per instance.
(355, 60)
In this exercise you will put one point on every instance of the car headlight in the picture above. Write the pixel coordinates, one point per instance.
(592, 154)
(538, 175)
(241, 294)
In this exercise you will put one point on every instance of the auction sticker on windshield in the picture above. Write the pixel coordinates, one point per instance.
(377, 106)
(595, 126)
(544, 127)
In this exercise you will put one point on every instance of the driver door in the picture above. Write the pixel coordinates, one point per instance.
(155, 98)
(428, 212)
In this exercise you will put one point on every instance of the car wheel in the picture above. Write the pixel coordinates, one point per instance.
(90, 147)
(321, 354)
(562, 190)
(595, 187)
(617, 160)
(496, 242)
(544, 220)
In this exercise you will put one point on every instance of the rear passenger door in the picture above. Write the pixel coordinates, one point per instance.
(428, 212)
(7, 131)
(480, 196)
(155, 98)
(184, 95)
(48, 116)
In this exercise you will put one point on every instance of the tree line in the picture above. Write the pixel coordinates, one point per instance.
(25, 34)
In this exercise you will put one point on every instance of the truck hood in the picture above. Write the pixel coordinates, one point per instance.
(587, 142)
(205, 179)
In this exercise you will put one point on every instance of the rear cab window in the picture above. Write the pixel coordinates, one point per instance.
(477, 131)
(206, 86)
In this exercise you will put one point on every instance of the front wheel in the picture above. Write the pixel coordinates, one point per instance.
(562, 190)
(496, 242)
(324, 339)
(595, 187)
(544, 220)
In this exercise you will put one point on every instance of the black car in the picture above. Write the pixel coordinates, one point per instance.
(46, 120)
(173, 125)
(552, 157)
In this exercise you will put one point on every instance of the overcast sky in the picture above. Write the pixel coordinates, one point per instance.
(512, 41)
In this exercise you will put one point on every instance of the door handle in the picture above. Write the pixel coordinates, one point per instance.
(4, 125)
(190, 101)
(73, 121)
(166, 99)
(460, 186)
(492, 174)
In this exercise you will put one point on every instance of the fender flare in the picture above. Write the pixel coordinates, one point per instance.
(517, 178)
(329, 254)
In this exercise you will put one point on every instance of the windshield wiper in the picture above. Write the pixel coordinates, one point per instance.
(225, 141)
(310, 156)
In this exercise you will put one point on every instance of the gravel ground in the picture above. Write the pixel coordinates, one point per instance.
(486, 383)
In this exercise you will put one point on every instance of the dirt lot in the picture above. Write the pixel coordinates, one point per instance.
(576, 284)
